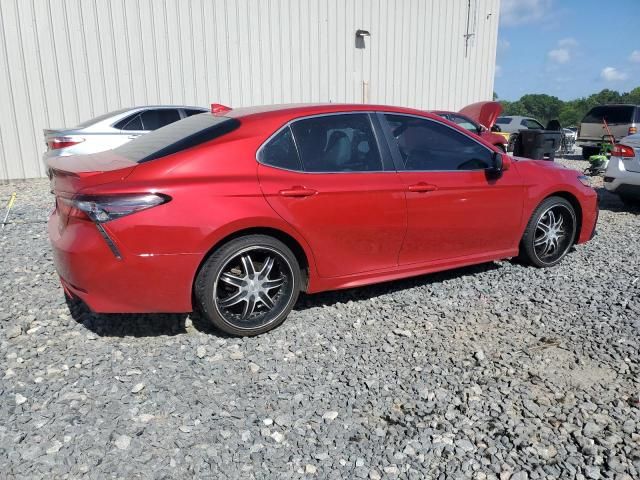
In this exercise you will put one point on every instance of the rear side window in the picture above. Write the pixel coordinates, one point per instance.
(503, 121)
(428, 145)
(176, 137)
(281, 152)
(610, 113)
(154, 119)
(337, 143)
(130, 123)
(190, 111)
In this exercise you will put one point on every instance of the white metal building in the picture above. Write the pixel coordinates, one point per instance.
(65, 61)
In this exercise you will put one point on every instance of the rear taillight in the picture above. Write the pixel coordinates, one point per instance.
(55, 143)
(633, 130)
(102, 209)
(622, 151)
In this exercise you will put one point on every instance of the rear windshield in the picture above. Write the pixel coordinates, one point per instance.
(610, 113)
(503, 120)
(177, 136)
(94, 120)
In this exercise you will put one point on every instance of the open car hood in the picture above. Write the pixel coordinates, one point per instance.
(485, 113)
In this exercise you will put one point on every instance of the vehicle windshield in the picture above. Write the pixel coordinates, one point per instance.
(100, 118)
(177, 136)
(610, 113)
(503, 120)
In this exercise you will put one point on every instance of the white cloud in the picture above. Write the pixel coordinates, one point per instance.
(518, 12)
(559, 55)
(611, 74)
(568, 42)
(504, 45)
(498, 71)
(635, 56)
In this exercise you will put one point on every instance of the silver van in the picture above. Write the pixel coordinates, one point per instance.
(621, 119)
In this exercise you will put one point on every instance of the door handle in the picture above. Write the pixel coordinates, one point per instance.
(298, 192)
(422, 187)
(131, 137)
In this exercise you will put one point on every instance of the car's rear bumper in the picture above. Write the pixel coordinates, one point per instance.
(89, 270)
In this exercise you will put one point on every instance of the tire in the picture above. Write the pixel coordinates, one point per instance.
(629, 201)
(588, 151)
(547, 239)
(242, 292)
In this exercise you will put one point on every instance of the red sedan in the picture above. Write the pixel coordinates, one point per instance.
(235, 212)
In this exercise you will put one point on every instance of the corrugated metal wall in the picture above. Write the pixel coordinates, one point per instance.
(65, 61)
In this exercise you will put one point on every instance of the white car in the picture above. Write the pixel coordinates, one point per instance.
(623, 171)
(112, 129)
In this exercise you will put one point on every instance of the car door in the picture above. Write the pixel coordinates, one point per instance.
(329, 178)
(455, 209)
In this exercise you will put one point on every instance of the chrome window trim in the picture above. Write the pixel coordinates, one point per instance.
(295, 143)
(428, 119)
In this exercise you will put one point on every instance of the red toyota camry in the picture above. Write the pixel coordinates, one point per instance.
(235, 212)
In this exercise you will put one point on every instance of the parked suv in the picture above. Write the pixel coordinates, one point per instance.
(234, 213)
(621, 119)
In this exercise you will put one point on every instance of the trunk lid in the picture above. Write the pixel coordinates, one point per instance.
(485, 113)
(74, 173)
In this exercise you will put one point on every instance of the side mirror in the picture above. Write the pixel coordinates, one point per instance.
(501, 163)
(496, 128)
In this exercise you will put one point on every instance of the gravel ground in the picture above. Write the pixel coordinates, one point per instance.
(496, 371)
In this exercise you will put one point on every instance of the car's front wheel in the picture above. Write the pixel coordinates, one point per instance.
(249, 285)
(550, 233)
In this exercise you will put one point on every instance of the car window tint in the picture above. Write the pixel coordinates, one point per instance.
(503, 121)
(176, 137)
(157, 118)
(337, 143)
(531, 124)
(190, 111)
(131, 123)
(465, 123)
(428, 145)
(281, 152)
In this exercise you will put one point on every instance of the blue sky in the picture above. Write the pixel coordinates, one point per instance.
(567, 48)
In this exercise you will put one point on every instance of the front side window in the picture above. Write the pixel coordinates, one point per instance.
(531, 124)
(465, 123)
(280, 152)
(337, 143)
(428, 145)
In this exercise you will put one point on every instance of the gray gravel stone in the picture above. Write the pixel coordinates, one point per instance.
(492, 371)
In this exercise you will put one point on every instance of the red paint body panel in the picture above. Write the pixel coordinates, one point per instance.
(355, 222)
(484, 113)
(357, 228)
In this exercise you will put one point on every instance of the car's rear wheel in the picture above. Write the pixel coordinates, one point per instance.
(588, 151)
(550, 233)
(249, 285)
(630, 201)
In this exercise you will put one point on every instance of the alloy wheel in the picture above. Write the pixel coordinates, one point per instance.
(554, 233)
(253, 287)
